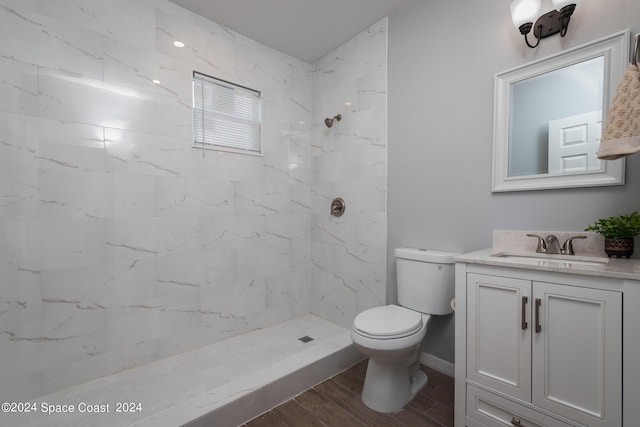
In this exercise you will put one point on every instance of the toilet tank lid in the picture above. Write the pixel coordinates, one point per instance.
(425, 255)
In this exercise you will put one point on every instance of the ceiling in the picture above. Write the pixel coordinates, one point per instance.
(304, 29)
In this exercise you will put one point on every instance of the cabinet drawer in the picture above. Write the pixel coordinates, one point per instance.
(484, 409)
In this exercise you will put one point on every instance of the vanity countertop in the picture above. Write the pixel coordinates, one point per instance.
(620, 268)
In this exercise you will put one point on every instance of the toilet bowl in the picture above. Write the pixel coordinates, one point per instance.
(393, 371)
(393, 336)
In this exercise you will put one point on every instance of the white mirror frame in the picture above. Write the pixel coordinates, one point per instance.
(614, 49)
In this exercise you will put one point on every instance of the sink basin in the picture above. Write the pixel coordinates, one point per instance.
(557, 260)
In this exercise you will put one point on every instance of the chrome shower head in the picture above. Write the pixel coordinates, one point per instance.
(329, 121)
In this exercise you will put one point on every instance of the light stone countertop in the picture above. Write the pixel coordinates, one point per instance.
(620, 268)
(523, 255)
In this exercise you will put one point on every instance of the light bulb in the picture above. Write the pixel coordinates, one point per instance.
(524, 11)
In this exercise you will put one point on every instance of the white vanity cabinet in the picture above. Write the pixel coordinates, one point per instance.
(541, 346)
(555, 346)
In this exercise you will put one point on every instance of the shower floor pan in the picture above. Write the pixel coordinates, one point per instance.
(223, 384)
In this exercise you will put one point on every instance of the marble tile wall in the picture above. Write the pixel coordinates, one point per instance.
(350, 161)
(119, 242)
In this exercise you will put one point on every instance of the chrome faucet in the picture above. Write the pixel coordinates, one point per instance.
(551, 245)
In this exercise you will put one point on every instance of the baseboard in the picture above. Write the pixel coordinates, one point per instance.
(438, 364)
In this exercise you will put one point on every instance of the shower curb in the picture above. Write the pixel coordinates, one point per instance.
(249, 396)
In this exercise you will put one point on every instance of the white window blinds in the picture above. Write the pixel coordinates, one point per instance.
(225, 116)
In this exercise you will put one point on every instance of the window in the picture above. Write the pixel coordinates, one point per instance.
(225, 116)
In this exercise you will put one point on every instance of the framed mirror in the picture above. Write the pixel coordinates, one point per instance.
(548, 119)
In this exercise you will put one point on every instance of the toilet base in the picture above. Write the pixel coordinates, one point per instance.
(388, 387)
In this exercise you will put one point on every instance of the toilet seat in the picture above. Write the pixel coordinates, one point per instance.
(387, 322)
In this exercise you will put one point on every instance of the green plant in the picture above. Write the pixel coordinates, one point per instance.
(617, 227)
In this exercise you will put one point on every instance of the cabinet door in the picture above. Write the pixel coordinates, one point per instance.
(498, 334)
(577, 353)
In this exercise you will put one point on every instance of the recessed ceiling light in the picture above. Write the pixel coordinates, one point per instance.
(178, 43)
(156, 81)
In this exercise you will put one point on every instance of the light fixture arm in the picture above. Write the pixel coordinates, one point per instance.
(526, 29)
(565, 17)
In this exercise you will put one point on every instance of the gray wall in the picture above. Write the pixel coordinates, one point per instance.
(443, 55)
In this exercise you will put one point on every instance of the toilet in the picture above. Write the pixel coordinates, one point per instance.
(392, 336)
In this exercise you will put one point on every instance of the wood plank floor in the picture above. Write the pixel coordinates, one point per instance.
(336, 403)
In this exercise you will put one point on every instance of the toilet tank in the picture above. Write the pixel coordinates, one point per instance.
(425, 280)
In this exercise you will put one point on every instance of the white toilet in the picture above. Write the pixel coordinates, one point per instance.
(392, 336)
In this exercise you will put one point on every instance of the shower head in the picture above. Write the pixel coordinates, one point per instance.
(329, 122)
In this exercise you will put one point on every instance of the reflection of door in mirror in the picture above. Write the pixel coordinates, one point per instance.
(536, 102)
(573, 143)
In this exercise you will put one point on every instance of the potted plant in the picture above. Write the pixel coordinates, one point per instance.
(619, 232)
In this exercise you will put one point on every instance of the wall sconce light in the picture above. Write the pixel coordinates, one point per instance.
(524, 12)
